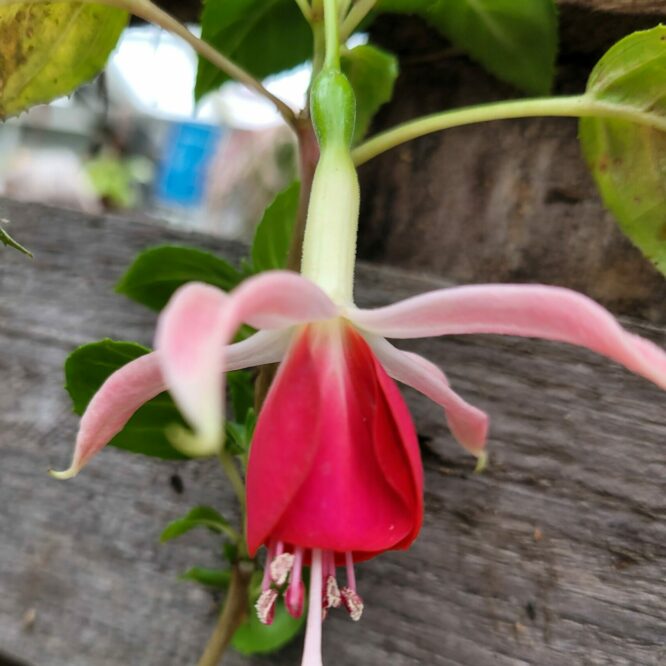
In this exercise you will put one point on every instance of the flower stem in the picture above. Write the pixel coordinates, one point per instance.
(308, 152)
(234, 477)
(305, 9)
(231, 617)
(357, 13)
(151, 12)
(332, 58)
(576, 106)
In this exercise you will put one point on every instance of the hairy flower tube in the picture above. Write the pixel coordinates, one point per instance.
(334, 473)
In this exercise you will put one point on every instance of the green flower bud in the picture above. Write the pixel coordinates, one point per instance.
(333, 108)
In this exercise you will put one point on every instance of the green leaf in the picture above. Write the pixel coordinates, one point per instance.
(218, 578)
(372, 73)
(628, 159)
(516, 40)
(230, 552)
(253, 637)
(157, 272)
(241, 392)
(49, 49)
(201, 516)
(262, 36)
(239, 435)
(270, 247)
(86, 369)
(7, 240)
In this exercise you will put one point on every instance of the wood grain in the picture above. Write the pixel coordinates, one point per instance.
(556, 555)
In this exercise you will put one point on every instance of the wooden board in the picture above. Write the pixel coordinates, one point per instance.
(556, 555)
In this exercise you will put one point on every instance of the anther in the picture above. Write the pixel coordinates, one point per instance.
(281, 567)
(352, 602)
(331, 593)
(266, 606)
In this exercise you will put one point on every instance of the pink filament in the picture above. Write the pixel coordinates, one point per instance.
(295, 580)
(266, 580)
(351, 576)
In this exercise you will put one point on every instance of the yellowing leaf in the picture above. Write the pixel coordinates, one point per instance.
(628, 157)
(49, 49)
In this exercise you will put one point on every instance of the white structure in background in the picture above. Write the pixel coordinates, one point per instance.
(153, 73)
(150, 81)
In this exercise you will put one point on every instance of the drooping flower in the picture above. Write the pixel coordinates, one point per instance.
(334, 473)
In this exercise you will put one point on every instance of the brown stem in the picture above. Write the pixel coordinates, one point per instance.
(308, 152)
(232, 616)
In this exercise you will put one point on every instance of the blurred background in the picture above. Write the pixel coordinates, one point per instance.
(133, 141)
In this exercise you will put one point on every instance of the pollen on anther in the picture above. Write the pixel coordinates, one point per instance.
(280, 568)
(265, 606)
(352, 602)
(332, 593)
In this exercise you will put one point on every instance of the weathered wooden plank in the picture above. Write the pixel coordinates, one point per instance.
(555, 555)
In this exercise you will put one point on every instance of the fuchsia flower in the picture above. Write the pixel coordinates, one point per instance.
(334, 473)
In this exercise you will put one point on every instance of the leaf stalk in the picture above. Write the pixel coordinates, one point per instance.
(577, 106)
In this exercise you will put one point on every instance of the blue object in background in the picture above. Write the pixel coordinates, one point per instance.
(182, 173)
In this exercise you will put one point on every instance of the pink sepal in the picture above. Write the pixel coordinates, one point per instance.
(197, 324)
(468, 424)
(141, 380)
(537, 311)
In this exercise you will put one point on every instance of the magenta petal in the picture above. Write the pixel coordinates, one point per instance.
(468, 424)
(401, 465)
(314, 478)
(537, 311)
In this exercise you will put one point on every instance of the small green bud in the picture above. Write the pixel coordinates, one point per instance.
(333, 108)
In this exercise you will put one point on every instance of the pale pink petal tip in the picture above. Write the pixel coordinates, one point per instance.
(68, 473)
(111, 407)
(481, 462)
(191, 338)
(468, 424)
(470, 428)
(192, 444)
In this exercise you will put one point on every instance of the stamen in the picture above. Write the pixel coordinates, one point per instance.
(352, 602)
(351, 576)
(332, 593)
(266, 606)
(295, 594)
(312, 647)
(280, 568)
(329, 564)
(266, 580)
